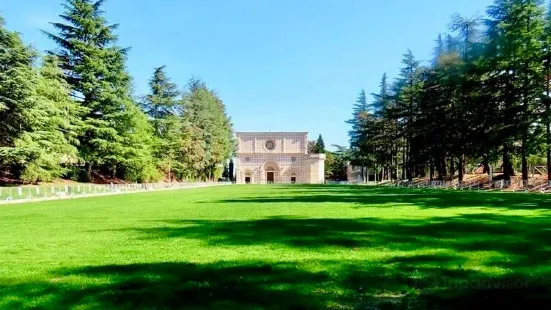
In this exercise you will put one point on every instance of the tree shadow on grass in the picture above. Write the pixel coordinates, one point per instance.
(435, 278)
(372, 196)
(169, 286)
(518, 246)
(260, 285)
(528, 238)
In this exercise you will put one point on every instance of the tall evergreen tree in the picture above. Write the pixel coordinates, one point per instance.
(50, 146)
(95, 68)
(358, 133)
(410, 84)
(40, 122)
(320, 145)
(486, 95)
(208, 133)
(164, 109)
(17, 81)
(162, 101)
(17, 98)
(546, 41)
(517, 28)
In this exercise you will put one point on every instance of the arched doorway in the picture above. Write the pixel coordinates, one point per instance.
(248, 177)
(271, 170)
(270, 175)
(293, 178)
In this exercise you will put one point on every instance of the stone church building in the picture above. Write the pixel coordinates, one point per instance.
(277, 157)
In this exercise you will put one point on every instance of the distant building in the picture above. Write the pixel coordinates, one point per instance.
(277, 157)
(357, 174)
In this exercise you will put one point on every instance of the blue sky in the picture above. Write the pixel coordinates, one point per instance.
(279, 65)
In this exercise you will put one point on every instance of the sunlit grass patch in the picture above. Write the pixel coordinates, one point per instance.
(276, 247)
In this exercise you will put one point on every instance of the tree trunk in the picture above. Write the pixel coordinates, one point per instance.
(547, 118)
(524, 160)
(403, 163)
(89, 172)
(525, 126)
(452, 168)
(460, 168)
(441, 168)
(409, 173)
(431, 168)
(486, 164)
(548, 132)
(507, 165)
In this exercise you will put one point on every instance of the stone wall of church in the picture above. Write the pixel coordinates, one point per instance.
(294, 143)
(285, 166)
(284, 154)
(317, 168)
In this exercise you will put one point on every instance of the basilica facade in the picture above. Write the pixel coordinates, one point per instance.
(277, 157)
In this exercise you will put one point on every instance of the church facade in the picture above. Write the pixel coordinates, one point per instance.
(277, 157)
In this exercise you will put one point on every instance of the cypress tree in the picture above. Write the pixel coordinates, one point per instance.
(320, 145)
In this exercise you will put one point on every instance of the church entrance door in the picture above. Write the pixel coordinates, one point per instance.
(270, 177)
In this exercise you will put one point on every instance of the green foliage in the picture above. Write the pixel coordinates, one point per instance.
(17, 87)
(317, 147)
(116, 136)
(40, 122)
(51, 143)
(164, 110)
(162, 102)
(208, 134)
(335, 167)
(480, 100)
(77, 112)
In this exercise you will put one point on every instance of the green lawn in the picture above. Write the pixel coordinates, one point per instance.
(273, 247)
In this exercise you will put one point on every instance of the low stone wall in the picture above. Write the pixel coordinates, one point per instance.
(11, 195)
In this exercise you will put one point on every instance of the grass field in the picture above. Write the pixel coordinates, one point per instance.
(274, 247)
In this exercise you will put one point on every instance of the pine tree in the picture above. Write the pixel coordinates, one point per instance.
(518, 27)
(439, 50)
(162, 100)
(385, 129)
(546, 100)
(407, 107)
(164, 110)
(320, 145)
(359, 120)
(17, 101)
(95, 68)
(40, 122)
(51, 143)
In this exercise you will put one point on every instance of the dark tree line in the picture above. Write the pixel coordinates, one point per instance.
(484, 100)
(72, 112)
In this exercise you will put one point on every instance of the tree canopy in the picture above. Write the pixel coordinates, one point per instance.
(74, 113)
(483, 100)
